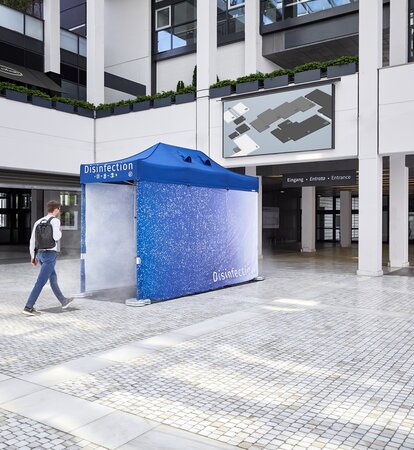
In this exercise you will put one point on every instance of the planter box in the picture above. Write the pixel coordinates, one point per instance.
(308, 75)
(85, 112)
(161, 102)
(15, 95)
(281, 80)
(121, 109)
(103, 113)
(141, 106)
(221, 91)
(344, 69)
(185, 98)
(40, 101)
(65, 107)
(247, 87)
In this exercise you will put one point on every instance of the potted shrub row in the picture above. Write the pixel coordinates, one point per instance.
(304, 73)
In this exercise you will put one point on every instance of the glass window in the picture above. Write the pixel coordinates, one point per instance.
(3, 200)
(82, 46)
(69, 41)
(235, 3)
(184, 12)
(185, 35)
(11, 19)
(325, 203)
(236, 20)
(163, 18)
(277, 10)
(163, 41)
(3, 221)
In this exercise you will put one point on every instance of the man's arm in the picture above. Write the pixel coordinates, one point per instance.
(57, 234)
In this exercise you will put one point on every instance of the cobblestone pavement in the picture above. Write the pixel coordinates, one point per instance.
(312, 357)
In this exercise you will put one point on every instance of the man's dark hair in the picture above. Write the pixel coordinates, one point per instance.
(52, 205)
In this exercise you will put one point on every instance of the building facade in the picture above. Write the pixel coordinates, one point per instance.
(344, 140)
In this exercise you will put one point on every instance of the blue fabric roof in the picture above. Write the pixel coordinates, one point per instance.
(165, 163)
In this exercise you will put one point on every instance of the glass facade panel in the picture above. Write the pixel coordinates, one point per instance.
(11, 19)
(184, 12)
(3, 220)
(82, 46)
(278, 10)
(163, 41)
(236, 20)
(69, 41)
(34, 28)
(185, 35)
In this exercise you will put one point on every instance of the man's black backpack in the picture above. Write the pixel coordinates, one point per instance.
(44, 235)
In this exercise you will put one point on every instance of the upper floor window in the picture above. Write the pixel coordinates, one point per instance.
(230, 18)
(278, 10)
(175, 26)
(175, 23)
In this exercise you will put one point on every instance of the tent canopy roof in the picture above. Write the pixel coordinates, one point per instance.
(163, 163)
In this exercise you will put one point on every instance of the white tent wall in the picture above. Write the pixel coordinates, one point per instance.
(110, 236)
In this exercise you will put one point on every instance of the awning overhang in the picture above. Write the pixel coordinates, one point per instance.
(24, 75)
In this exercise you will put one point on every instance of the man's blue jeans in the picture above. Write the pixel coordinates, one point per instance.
(47, 272)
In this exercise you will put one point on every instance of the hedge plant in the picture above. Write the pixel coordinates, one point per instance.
(187, 89)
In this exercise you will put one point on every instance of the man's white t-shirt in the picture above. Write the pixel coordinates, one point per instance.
(57, 234)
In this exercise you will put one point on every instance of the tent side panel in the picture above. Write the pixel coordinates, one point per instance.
(194, 239)
(109, 236)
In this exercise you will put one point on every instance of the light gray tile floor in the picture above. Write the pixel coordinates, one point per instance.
(313, 357)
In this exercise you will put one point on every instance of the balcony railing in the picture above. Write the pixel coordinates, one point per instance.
(21, 23)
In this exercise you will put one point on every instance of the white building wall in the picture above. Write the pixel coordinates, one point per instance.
(128, 134)
(43, 140)
(128, 43)
(346, 115)
(396, 109)
(230, 61)
(170, 71)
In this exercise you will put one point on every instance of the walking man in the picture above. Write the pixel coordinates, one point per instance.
(44, 249)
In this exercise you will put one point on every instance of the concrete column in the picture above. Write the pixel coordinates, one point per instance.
(95, 50)
(308, 219)
(346, 218)
(398, 247)
(253, 59)
(253, 40)
(52, 35)
(370, 163)
(398, 32)
(206, 69)
(251, 171)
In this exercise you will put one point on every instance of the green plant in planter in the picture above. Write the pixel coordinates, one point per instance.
(186, 90)
(21, 5)
(251, 77)
(308, 66)
(278, 72)
(194, 83)
(164, 94)
(223, 83)
(74, 102)
(143, 98)
(180, 85)
(340, 61)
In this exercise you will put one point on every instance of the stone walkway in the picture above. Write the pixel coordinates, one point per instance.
(312, 357)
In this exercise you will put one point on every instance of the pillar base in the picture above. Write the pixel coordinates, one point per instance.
(398, 265)
(308, 250)
(369, 273)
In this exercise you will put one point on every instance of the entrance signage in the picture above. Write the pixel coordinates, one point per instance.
(337, 178)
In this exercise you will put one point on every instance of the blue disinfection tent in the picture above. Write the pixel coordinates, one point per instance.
(167, 222)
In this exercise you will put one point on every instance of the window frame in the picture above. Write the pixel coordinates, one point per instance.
(157, 28)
